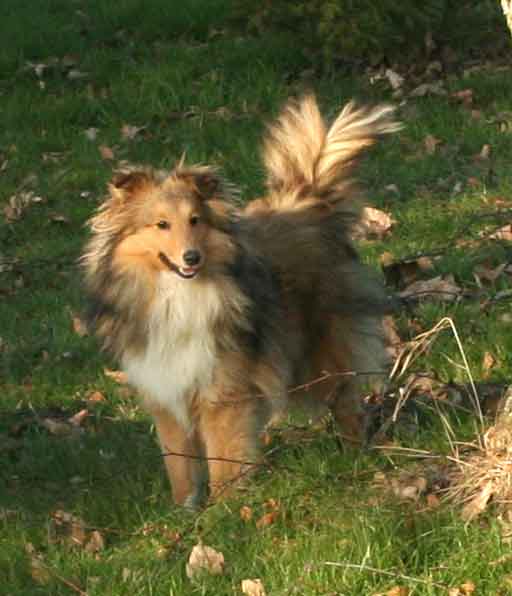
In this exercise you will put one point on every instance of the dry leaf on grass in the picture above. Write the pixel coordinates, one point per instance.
(64, 527)
(503, 233)
(79, 326)
(374, 224)
(95, 397)
(481, 273)
(245, 513)
(428, 89)
(253, 587)
(395, 80)
(96, 542)
(56, 427)
(464, 96)
(433, 501)
(116, 375)
(267, 519)
(478, 503)
(488, 363)
(38, 570)
(129, 132)
(403, 272)
(398, 591)
(64, 427)
(79, 418)
(91, 133)
(465, 589)
(204, 559)
(484, 154)
(443, 289)
(431, 144)
(17, 205)
(106, 152)
(75, 75)
(391, 336)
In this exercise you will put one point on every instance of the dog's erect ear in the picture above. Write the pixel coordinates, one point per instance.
(204, 180)
(208, 184)
(125, 184)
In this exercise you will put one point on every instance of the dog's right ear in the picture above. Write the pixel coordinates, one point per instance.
(125, 185)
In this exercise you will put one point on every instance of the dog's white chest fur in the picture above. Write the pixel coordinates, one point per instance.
(180, 356)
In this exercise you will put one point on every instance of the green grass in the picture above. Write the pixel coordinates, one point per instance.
(174, 69)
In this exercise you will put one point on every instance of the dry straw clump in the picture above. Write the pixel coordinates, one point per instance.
(485, 475)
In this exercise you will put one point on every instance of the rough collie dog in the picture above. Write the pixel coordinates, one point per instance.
(218, 313)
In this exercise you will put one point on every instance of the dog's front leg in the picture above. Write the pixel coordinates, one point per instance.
(231, 432)
(183, 459)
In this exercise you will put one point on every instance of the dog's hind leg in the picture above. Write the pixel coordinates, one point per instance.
(339, 362)
(183, 459)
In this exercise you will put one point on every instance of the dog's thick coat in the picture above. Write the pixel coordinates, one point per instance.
(218, 314)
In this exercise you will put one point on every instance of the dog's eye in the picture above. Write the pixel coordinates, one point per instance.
(194, 220)
(163, 225)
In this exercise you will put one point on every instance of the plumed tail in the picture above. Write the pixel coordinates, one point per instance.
(305, 160)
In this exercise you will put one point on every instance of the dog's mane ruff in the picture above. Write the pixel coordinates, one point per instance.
(306, 160)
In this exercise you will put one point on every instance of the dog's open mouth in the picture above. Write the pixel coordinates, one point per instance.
(184, 272)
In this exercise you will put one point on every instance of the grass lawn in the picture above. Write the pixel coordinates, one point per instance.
(84, 506)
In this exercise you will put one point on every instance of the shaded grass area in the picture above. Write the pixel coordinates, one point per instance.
(195, 87)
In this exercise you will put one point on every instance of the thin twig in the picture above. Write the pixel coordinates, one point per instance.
(65, 581)
(394, 574)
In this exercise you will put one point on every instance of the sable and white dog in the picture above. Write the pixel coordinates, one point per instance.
(216, 312)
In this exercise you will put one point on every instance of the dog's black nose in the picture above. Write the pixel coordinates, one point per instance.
(192, 257)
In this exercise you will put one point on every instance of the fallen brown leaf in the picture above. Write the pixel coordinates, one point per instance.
(245, 513)
(374, 223)
(59, 428)
(79, 418)
(91, 133)
(116, 375)
(96, 542)
(503, 233)
(75, 75)
(393, 339)
(485, 153)
(95, 397)
(478, 503)
(79, 326)
(106, 152)
(61, 219)
(489, 274)
(400, 274)
(129, 132)
(433, 501)
(204, 558)
(468, 587)
(488, 363)
(272, 504)
(267, 519)
(431, 144)
(38, 570)
(17, 205)
(398, 591)
(464, 96)
(253, 587)
(443, 289)
(68, 528)
(395, 80)
(428, 89)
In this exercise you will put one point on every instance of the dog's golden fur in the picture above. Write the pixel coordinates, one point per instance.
(216, 312)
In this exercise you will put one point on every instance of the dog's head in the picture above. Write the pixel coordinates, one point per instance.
(177, 221)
